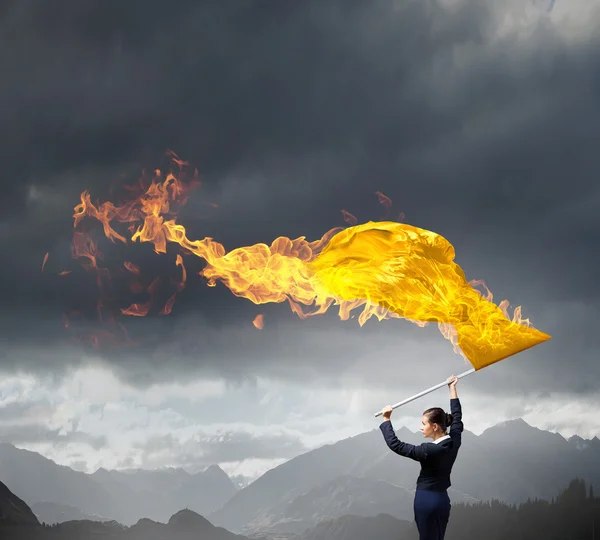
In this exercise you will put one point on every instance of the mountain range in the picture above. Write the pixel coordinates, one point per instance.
(59, 493)
(17, 522)
(358, 476)
(510, 462)
(573, 514)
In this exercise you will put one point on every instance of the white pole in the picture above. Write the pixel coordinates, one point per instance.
(440, 385)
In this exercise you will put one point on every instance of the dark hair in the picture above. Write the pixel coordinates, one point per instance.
(438, 416)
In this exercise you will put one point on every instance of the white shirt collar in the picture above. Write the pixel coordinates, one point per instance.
(442, 439)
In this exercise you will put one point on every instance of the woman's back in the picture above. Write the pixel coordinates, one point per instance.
(436, 458)
(436, 468)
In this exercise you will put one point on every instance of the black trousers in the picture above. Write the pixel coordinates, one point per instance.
(432, 512)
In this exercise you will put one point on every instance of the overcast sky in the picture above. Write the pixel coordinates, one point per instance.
(479, 119)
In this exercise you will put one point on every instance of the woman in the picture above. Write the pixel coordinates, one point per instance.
(431, 504)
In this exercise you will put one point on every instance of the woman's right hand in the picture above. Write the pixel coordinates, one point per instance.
(452, 386)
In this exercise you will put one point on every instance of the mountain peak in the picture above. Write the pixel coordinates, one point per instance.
(514, 422)
(519, 429)
(214, 471)
(188, 519)
(580, 443)
(512, 425)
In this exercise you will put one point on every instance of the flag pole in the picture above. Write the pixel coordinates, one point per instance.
(440, 385)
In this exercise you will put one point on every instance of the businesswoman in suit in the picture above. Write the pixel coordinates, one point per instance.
(431, 503)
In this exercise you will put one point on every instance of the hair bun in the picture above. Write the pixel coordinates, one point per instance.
(449, 418)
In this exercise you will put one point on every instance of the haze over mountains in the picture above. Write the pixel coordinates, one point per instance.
(124, 496)
(360, 476)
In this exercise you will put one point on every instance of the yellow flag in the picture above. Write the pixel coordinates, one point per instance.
(411, 272)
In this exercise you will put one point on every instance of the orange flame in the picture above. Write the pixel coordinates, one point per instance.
(259, 321)
(85, 247)
(392, 270)
(384, 200)
(133, 268)
(179, 262)
(169, 305)
(137, 310)
(349, 218)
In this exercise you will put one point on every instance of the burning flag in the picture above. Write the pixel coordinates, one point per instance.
(411, 272)
(392, 270)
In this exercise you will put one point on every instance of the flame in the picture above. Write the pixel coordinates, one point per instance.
(384, 200)
(179, 262)
(169, 305)
(392, 270)
(133, 268)
(45, 260)
(259, 321)
(349, 218)
(84, 247)
(137, 310)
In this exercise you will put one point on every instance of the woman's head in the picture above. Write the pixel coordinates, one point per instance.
(435, 422)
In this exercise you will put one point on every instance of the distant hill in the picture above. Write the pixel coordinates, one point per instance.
(344, 495)
(511, 462)
(34, 478)
(158, 494)
(124, 496)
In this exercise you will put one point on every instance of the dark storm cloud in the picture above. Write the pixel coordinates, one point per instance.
(293, 112)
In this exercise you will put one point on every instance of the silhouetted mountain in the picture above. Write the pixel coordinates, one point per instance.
(125, 496)
(188, 524)
(512, 462)
(13, 511)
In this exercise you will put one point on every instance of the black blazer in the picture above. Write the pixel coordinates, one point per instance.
(436, 459)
